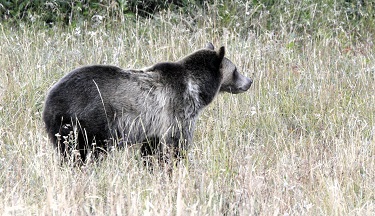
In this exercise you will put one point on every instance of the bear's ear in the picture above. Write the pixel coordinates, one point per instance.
(221, 53)
(210, 46)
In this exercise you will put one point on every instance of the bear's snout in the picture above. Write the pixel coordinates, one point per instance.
(243, 84)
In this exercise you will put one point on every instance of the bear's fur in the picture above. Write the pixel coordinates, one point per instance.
(101, 106)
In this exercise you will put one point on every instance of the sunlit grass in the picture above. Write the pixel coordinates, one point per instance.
(300, 141)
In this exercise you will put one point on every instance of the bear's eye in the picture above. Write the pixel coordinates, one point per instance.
(234, 76)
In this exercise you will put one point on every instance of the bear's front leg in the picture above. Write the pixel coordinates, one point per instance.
(179, 143)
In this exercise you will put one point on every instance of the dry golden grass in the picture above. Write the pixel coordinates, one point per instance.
(300, 141)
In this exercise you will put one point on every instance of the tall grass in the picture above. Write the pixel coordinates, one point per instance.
(300, 141)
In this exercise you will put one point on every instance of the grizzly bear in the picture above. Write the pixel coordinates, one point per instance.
(100, 106)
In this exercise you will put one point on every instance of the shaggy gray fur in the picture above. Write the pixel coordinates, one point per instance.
(157, 106)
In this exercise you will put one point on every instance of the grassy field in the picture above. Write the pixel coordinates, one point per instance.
(299, 142)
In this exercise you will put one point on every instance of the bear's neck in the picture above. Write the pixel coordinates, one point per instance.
(199, 93)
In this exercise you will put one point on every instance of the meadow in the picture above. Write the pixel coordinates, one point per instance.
(299, 142)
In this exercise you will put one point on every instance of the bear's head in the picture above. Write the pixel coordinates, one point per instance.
(218, 66)
(232, 82)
